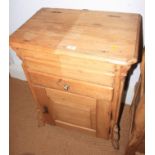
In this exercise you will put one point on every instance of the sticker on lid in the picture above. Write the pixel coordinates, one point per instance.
(71, 47)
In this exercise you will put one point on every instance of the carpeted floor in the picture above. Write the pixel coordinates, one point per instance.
(26, 138)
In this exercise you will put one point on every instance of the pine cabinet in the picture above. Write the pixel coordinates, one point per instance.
(76, 62)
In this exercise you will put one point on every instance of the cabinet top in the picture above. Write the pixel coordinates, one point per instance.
(109, 36)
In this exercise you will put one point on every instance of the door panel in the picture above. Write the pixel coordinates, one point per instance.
(75, 127)
(74, 111)
(73, 108)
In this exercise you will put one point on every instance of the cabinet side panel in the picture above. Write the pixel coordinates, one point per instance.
(45, 104)
(103, 116)
(40, 98)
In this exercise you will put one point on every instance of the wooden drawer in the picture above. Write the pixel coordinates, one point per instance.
(69, 71)
(73, 86)
(82, 62)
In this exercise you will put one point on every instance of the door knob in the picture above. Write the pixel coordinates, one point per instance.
(66, 87)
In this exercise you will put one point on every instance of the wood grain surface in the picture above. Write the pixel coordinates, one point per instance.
(76, 62)
(110, 35)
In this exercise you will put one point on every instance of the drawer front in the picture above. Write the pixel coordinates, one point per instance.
(73, 86)
(98, 77)
(86, 62)
(73, 108)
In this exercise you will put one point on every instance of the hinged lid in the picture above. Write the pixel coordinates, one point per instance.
(111, 36)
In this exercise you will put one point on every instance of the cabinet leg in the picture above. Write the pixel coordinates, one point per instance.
(115, 137)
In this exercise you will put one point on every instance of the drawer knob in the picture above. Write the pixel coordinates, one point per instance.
(66, 87)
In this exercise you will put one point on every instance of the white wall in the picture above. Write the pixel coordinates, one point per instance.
(21, 10)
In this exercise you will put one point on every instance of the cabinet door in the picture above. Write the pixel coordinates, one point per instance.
(75, 111)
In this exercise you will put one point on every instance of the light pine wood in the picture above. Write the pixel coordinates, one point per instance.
(116, 104)
(103, 118)
(137, 135)
(73, 108)
(137, 138)
(96, 65)
(75, 86)
(114, 36)
(76, 127)
(44, 102)
(71, 72)
(40, 117)
(76, 62)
